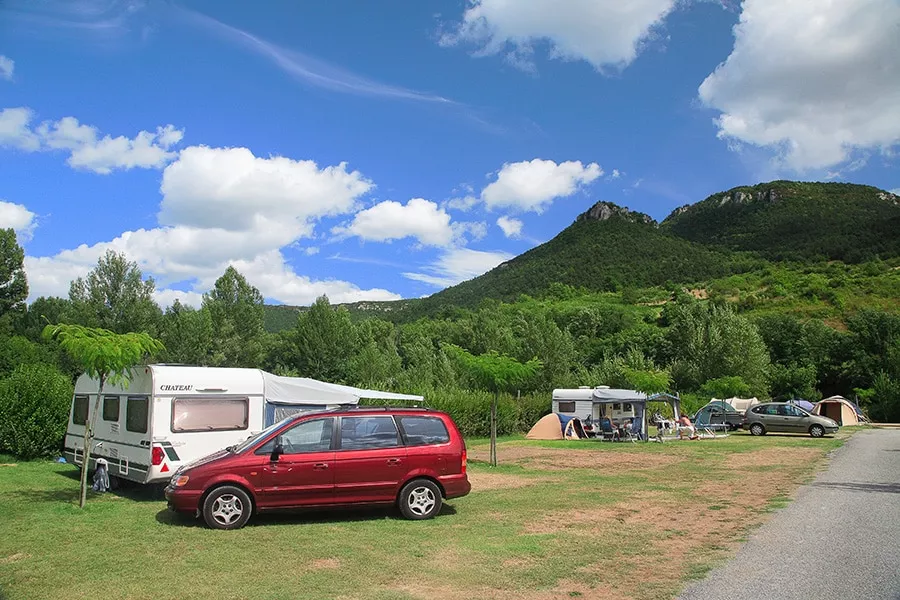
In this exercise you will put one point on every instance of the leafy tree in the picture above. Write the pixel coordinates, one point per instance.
(40, 312)
(725, 387)
(187, 335)
(18, 350)
(321, 344)
(794, 381)
(496, 373)
(236, 314)
(710, 341)
(34, 410)
(107, 357)
(115, 296)
(13, 283)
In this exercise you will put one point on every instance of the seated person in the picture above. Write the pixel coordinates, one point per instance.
(684, 424)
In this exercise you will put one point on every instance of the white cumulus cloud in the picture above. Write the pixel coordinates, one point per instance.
(390, 220)
(605, 33)
(88, 149)
(17, 217)
(457, 265)
(812, 80)
(533, 185)
(7, 66)
(512, 228)
(230, 188)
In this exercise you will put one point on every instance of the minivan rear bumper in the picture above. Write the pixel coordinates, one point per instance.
(455, 486)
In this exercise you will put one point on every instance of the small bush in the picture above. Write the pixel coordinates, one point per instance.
(34, 411)
(471, 410)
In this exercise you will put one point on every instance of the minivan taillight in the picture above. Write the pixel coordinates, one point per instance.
(156, 456)
(464, 461)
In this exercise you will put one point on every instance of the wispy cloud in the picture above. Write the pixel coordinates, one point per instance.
(7, 66)
(101, 16)
(308, 69)
(365, 261)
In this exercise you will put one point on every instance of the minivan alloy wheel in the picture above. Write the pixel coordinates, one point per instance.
(227, 509)
(816, 431)
(757, 429)
(421, 500)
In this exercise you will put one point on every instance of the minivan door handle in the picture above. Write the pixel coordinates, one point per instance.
(320, 466)
(393, 461)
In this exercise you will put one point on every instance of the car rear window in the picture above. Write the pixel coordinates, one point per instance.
(424, 431)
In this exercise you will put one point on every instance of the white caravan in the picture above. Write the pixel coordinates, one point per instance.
(170, 415)
(584, 404)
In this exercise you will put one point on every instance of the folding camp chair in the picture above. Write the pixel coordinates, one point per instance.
(607, 431)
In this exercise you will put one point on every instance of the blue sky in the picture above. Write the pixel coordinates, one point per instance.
(386, 150)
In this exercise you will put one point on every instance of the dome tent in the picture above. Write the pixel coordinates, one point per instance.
(554, 427)
(839, 409)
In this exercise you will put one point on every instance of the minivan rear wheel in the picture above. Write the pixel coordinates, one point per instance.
(757, 429)
(420, 499)
(227, 507)
(816, 431)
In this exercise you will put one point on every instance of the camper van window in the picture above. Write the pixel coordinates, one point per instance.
(136, 412)
(110, 408)
(79, 410)
(626, 407)
(209, 414)
(566, 407)
(617, 406)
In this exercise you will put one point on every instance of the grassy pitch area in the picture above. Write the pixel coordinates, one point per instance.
(576, 519)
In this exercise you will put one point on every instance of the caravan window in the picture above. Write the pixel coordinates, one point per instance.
(136, 412)
(210, 414)
(79, 410)
(566, 407)
(110, 408)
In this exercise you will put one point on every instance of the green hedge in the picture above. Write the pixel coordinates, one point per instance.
(34, 411)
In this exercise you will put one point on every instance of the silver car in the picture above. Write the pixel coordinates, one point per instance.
(786, 418)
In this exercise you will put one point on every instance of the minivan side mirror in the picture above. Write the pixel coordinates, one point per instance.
(277, 450)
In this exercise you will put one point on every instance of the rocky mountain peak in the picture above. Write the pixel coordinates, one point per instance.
(603, 211)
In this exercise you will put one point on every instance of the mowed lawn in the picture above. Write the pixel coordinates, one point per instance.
(555, 520)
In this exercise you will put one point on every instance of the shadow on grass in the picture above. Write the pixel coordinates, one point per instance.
(889, 488)
(136, 492)
(301, 516)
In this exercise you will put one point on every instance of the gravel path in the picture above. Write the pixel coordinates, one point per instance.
(839, 539)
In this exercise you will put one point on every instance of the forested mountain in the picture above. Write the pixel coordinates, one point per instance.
(786, 220)
(606, 249)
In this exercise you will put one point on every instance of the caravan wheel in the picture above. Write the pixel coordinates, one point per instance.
(227, 507)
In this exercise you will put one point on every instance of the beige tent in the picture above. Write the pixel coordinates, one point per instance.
(740, 404)
(547, 428)
(837, 408)
(550, 428)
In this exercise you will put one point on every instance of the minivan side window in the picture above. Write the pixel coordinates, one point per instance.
(423, 431)
(80, 410)
(110, 408)
(137, 410)
(363, 433)
(307, 436)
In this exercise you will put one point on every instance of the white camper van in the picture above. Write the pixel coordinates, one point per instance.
(170, 415)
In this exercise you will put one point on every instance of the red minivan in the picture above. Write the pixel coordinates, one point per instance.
(411, 457)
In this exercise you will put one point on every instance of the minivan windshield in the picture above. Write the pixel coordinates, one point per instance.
(254, 438)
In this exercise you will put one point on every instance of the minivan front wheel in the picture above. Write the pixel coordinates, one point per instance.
(757, 429)
(420, 499)
(816, 431)
(227, 507)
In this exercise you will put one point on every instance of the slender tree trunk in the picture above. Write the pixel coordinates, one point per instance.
(494, 431)
(89, 443)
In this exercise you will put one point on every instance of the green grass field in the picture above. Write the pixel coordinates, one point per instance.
(554, 520)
